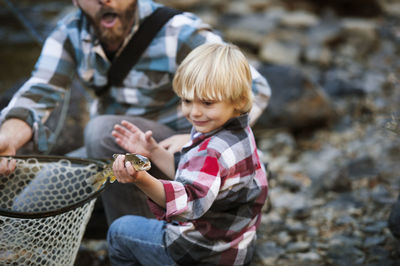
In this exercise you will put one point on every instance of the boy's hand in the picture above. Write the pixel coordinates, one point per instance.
(133, 140)
(124, 171)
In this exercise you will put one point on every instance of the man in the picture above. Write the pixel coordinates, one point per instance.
(84, 44)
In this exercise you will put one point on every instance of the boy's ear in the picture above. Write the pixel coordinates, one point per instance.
(74, 2)
(239, 106)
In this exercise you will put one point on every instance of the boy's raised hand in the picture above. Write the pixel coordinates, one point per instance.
(132, 139)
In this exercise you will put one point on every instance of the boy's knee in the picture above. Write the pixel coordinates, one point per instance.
(122, 226)
(113, 230)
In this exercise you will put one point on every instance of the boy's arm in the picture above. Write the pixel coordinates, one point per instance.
(164, 160)
(151, 186)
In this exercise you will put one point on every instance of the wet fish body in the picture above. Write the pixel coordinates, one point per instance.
(139, 162)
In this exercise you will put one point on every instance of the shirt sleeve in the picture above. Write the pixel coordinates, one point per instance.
(261, 95)
(197, 186)
(45, 89)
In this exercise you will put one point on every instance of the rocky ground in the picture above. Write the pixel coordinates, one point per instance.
(331, 134)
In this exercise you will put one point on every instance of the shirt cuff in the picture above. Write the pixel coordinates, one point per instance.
(22, 114)
(40, 133)
(158, 212)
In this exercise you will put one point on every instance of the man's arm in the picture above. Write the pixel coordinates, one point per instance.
(14, 133)
(46, 88)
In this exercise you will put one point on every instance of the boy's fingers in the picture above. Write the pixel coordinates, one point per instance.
(148, 135)
(121, 130)
(131, 127)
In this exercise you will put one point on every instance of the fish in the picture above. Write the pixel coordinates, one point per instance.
(139, 162)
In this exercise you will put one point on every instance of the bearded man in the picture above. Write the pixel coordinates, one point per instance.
(83, 45)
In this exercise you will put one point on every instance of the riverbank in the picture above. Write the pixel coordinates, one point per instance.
(334, 70)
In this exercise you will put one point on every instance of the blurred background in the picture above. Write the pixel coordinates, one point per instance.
(330, 135)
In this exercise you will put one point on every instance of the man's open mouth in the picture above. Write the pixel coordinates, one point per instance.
(108, 19)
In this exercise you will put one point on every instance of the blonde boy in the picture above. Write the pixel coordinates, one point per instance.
(210, 208)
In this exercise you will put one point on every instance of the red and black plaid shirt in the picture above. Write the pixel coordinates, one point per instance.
(214, 204)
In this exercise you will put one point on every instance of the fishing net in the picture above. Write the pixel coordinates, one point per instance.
(45, 205)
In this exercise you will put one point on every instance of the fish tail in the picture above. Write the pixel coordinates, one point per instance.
(100, 178)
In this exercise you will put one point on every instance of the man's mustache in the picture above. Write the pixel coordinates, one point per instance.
(104, 11)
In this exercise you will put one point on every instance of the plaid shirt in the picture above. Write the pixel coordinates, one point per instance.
(214, 204)
(72, 48)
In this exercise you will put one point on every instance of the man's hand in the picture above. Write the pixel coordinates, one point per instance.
(6, 165)
(175, 143)
(14, 133)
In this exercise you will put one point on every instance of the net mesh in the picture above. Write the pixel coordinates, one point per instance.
(45, 205)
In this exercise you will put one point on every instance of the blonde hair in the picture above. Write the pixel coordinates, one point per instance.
(215, 72)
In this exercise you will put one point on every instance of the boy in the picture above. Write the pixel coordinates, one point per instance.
(210, 208)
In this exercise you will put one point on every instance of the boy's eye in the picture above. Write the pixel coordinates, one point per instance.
(186, 101)
(207, 103)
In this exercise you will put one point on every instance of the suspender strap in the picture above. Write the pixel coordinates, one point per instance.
(136, 46)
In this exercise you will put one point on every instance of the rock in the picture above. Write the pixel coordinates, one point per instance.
(394, 219)
(374, 241)
(336, 86)
(298, 247)
(362, 8)
(361, 167)
(299, 19)
(317, 54)
(251, 29)
(179, 4)
(280, 51)
(269, 252)
(391, 7)
(297, 102)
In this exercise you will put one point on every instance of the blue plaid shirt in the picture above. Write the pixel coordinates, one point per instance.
(72, 48)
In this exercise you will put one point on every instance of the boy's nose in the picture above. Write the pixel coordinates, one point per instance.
(196, 110)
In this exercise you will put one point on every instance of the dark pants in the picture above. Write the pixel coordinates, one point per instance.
(121, 199)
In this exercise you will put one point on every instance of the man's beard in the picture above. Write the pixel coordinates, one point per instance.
(115, 34)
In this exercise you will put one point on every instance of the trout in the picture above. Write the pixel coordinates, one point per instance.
(139, 162)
